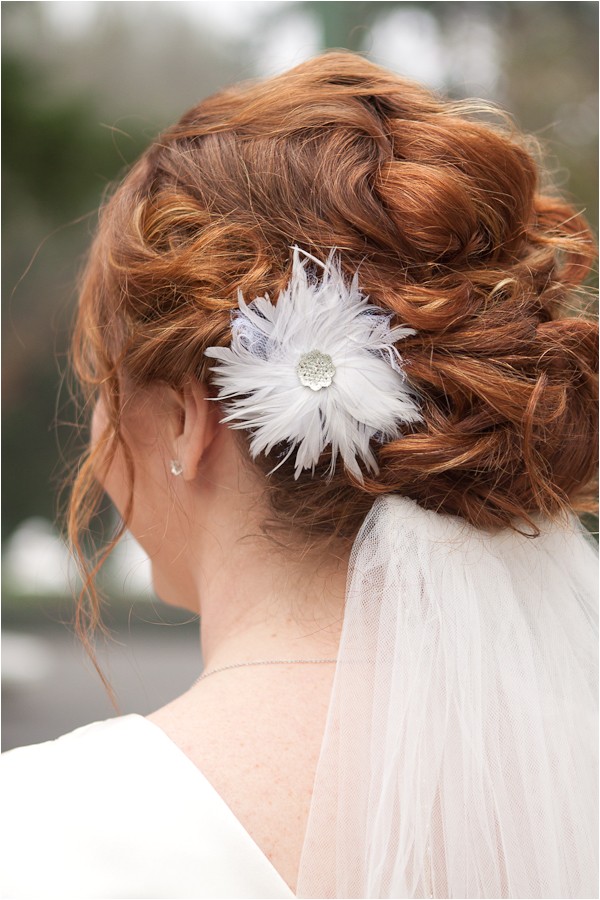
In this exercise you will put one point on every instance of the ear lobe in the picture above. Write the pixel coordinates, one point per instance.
(198, 427)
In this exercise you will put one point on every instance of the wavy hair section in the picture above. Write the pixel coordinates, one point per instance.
(445, 211)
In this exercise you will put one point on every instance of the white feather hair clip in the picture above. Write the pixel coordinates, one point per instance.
(319, 367)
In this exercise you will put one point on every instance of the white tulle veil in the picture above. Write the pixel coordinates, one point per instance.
(460, 752)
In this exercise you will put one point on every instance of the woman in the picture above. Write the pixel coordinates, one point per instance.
(343, 401)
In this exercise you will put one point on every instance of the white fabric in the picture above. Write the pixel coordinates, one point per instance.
(460, 756)
(116, 810)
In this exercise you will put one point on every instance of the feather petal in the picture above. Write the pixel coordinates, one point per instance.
(259, 387)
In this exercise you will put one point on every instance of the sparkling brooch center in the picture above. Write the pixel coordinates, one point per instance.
(315, 370)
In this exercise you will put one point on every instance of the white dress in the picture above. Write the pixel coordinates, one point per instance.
(116, 810)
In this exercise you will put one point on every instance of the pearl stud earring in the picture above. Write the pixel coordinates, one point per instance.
(176, 467)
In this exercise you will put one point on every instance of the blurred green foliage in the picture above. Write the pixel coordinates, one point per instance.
(56, 164)
(52, 148)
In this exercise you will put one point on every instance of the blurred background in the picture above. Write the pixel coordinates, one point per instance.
(86, 86)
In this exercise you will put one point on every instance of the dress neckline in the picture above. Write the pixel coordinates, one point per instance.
(177, 752)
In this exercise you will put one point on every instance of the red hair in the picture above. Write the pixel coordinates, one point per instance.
(445, 213)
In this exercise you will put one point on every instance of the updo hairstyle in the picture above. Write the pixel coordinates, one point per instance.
(440, 206)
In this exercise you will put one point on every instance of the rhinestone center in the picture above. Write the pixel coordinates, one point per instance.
(315, 370)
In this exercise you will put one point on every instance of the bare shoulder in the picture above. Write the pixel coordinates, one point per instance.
(257, 738)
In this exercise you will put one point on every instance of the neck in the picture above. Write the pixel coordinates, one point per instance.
(257, 600)
(256, 604)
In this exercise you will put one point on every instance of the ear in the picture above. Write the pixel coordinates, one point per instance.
(198, 425)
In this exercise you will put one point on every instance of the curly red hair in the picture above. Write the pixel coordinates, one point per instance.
(440, 203)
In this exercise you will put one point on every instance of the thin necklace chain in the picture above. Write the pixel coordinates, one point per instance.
(264, 662)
